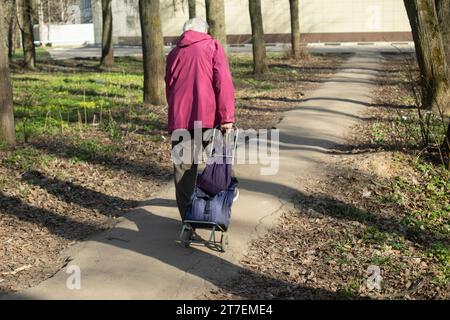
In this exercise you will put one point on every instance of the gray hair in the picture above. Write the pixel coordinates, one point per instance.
(196, 24)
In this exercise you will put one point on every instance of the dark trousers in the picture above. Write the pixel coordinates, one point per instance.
(185, 179)
(185, 174)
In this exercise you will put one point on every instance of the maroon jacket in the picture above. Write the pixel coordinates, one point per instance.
(198, 83)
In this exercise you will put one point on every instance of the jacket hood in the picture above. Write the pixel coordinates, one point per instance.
(189, 37)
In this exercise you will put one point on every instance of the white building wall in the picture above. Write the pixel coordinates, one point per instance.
(321, 16)
(316, 16)
(353, 16)
(66, 34)
(126, 18)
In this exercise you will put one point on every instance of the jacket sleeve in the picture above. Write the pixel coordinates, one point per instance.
(168, 75)
(223, 86)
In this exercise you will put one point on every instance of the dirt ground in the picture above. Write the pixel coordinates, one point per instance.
(377, 213)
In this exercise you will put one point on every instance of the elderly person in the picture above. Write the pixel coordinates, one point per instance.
(198, 88)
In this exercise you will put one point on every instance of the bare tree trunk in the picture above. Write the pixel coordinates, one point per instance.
(411, 10)
(192, 9)
(61, 8)
(259, 47)
(7, 130)
(29, 53)
(445, 148)
(215, 16)
(295, 28)
(107, 59)
(153, 52)
(12, 30)
(49, 20)
(430, 54)
(40, 9)
(443, 14)
(11, 38)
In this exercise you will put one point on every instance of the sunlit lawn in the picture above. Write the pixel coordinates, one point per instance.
(60, 94)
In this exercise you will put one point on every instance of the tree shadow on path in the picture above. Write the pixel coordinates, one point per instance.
(210, 267)
(155, 237)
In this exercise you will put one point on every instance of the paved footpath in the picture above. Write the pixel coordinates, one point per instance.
(141, 258)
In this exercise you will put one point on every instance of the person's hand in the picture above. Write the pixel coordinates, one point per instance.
(226, 126)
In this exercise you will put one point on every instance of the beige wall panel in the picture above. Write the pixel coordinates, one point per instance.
(316, 16)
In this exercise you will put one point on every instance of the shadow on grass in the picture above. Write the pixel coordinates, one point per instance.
(155, 124)
(87, 92)
(60, 225)
(81, 65)
(69, 150)
(341, 210)
(362, 70)
(32, 79)
(364, 103)
(72, 193)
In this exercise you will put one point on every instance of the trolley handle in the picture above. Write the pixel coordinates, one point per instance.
(235, 129)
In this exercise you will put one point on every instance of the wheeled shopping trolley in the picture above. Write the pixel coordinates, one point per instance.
(188, 235)
(212, 210)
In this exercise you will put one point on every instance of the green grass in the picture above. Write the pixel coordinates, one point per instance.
(432, 212)
(350, 212)
(3, 145)
(378, 133)
(242, 68)
(276, 77)
(63, 98)
(46, 102)
(41, 53)
(88, 149)
(374, 235)
(352, 287)
(381, 260)
(25, 159)
(344, 261)
(407, 130)
(67, 94)
(441, 253)
(425, 205)
(343, 245)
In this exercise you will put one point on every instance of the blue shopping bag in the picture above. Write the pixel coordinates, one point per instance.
(215, 209)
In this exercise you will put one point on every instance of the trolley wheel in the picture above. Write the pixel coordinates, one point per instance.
(186, 235)
(236, 195)
(224, 242)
